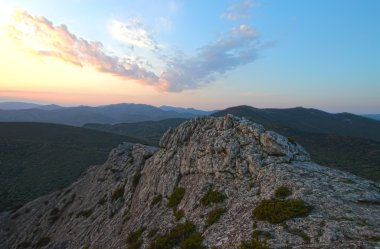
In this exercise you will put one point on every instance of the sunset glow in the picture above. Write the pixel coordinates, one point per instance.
(159, 55)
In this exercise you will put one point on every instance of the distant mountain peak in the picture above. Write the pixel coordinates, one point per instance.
(220, 182)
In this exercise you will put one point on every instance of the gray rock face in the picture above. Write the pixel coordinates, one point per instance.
(233, 156)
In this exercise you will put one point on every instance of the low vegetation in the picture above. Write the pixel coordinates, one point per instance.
(254, 243)
(25, 244)
(212, 196)
(179, 214)
(157, 199)
(117, 193)
(152, 232)
(176, 197)
(42, 242)
(276, 210)
(136, 179)
(183, 236)
(214, 215)
(299, 233)
(85, 213)
(282, 192)
(134, 240)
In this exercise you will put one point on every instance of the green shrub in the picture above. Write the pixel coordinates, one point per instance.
(282, 192)
(133, 239)
(258, 233)
(178, 214)
(292, 140)
(157, 199)
(136, 179)
(85, 213)
(182, 235)
(255, 243)
(102, 201)
(117, 193)
(212, 197)
(54, 215)
(25, 244)
(54, 211)
(276, 210)
(176, 197)
(215, 215)
(152, 232)
(136, 244)
(300, 233)
(134, 236)
(43, 242)
(194, 241)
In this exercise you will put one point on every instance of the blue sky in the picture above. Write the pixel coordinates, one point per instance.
(214, 54)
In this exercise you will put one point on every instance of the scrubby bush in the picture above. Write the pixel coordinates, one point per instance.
(117, 193)
(276, 210)
(215, 215)
(25, 244)
(254, 243)
(157, 199)
(292, 140)
(183, 235)
(194, 241)
(133, 236)
(176, 197)
(178, 214)
(212, 197)
(282, 192)
(133, 239)
(152, 232)
(43, 242)
(102, 201)
(85, 213)
(136, 179)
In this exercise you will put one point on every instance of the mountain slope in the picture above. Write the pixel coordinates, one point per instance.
(150, 131)
(214, 183)
(373, 116)
(186, 110)
(36, 159)
(309, 120)
(81, 115)
(17, 105)
(330, 138)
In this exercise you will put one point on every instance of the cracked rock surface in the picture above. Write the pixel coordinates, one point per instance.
(235, 157)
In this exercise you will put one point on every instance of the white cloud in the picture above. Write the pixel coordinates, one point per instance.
(238, 47)
(133, 33)
(239, 10)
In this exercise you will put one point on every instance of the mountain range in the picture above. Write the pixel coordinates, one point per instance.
(81, 115)
(214, 182)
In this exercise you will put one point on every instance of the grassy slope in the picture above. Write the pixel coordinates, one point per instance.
(37, 158)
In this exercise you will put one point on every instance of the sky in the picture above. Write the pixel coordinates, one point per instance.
(191, 53)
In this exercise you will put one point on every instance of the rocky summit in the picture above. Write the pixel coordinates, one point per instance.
(213, 183)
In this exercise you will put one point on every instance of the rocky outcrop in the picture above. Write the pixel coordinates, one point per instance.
(220, 170)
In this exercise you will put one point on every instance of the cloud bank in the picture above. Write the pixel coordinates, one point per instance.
(41, 37)
(234, 48)
(238, 47)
